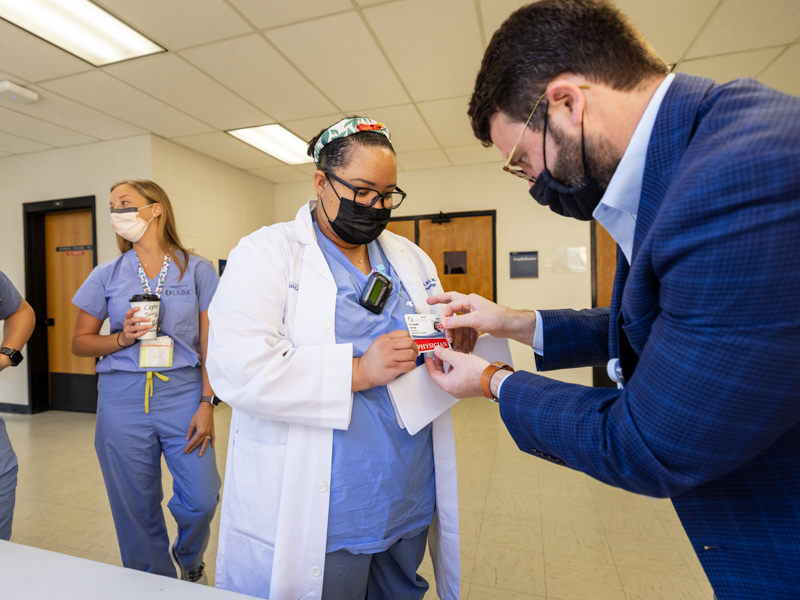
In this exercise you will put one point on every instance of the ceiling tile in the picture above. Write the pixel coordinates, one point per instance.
(252, 68)
(307, 128)
(17, 145)
(435, 46)
(228, 149)
(448, 120)
(39, 131)
(724, 68)
(62, 111)
(408, 130)
(308, 168)
(423, 159)
(474, 154)
(745, 25)
(180, 23)
(272, 13)
(284, 174)
(26, 56)
(670, 26)
(784, 73)
(103, 92)
(182, 85)
(369, 82)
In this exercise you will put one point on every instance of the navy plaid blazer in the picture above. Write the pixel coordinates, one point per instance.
(706, 323)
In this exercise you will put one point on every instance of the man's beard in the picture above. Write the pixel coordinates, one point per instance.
(601, 160)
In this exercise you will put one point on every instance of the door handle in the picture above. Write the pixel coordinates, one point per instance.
(48, 322)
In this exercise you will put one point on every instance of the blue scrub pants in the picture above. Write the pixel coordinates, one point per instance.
(8, 482)
(129, 444)
(387, 575)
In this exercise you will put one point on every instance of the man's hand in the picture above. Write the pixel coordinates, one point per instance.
(485, 316)
(463, 380)
(388, 356)
(5, 361)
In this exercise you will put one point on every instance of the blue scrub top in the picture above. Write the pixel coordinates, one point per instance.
(382, 479)
(10, 300)
(107, 291)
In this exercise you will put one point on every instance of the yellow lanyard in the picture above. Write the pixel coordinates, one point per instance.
(148, 388)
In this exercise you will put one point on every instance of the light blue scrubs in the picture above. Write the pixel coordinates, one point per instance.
(129, 442)
(10, 301)
(382, 479)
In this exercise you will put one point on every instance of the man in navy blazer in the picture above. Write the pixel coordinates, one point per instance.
(699, 184)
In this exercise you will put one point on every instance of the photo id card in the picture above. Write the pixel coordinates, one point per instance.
(427, 332)
(156, 352)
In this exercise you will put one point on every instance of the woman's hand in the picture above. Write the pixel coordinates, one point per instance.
(202, 426)
(133, 327)
(388, 356)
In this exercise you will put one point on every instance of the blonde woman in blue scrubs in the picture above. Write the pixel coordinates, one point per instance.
(143, 413)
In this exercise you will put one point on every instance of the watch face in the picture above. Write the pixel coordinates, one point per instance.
(14, 355)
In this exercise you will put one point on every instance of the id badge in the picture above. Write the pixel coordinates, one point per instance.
(427, 331)
(156, 352)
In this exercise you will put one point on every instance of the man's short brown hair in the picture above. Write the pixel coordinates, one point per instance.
(543, 40)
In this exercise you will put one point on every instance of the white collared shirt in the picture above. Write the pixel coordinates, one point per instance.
(619, 207)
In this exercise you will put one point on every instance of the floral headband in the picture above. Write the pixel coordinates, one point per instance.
(347, 127)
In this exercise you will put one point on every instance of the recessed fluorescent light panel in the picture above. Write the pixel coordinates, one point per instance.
(80, 27)
(275, 141)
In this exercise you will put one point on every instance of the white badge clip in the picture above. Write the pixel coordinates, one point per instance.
(156, 352)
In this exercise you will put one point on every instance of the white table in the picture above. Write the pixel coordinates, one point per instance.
(32, 574)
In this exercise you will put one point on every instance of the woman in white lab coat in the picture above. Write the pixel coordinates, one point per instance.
(326, 497)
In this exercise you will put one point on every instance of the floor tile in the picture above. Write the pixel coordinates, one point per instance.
(645, 585)
(509, 569)
(579, 580)
(576, 542)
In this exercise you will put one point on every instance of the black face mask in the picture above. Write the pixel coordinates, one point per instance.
(576, 202)
(356, 223)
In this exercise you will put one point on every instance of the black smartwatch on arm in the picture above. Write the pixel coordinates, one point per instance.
(14, 355)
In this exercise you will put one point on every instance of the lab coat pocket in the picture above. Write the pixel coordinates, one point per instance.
(253, 483)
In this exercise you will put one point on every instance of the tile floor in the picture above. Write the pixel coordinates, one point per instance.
(530, 530)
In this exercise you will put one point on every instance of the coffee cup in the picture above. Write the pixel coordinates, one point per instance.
(147, 306)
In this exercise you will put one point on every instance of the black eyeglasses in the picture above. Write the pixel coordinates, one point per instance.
(362, 194)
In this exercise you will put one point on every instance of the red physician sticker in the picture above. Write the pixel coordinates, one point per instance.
(74, 252)
(428, 345)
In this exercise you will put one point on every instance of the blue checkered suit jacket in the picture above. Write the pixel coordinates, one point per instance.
(706, 323)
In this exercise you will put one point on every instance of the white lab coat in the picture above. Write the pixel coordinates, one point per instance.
(273, 357)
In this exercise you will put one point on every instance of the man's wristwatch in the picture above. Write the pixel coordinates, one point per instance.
(213, 400)
(486, 378)
(14, 355)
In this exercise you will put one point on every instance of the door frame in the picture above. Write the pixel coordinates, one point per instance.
(455, 215)
(36, 294)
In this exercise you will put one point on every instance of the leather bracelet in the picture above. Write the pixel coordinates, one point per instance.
(486, 378)
(118, 344)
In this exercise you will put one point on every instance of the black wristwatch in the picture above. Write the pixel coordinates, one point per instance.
(213, 400)
(14, 355)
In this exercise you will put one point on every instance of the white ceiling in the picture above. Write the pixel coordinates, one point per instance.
(306, 63)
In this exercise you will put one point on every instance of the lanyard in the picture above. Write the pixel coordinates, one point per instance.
(162, 276)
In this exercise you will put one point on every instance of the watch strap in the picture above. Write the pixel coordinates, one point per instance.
(14, 355)
(486, 378)
(213, 400)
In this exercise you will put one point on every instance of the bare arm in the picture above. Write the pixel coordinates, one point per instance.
(87, 341)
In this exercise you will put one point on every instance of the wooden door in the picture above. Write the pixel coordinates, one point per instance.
(69, 258)
(463, 251)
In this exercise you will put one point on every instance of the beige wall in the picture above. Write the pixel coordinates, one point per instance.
(215, 204)
(521, 225)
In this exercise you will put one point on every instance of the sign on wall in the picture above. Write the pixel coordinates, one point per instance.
(524, 264)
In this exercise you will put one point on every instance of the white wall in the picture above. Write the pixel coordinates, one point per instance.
(522, 225)
(215, 204)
